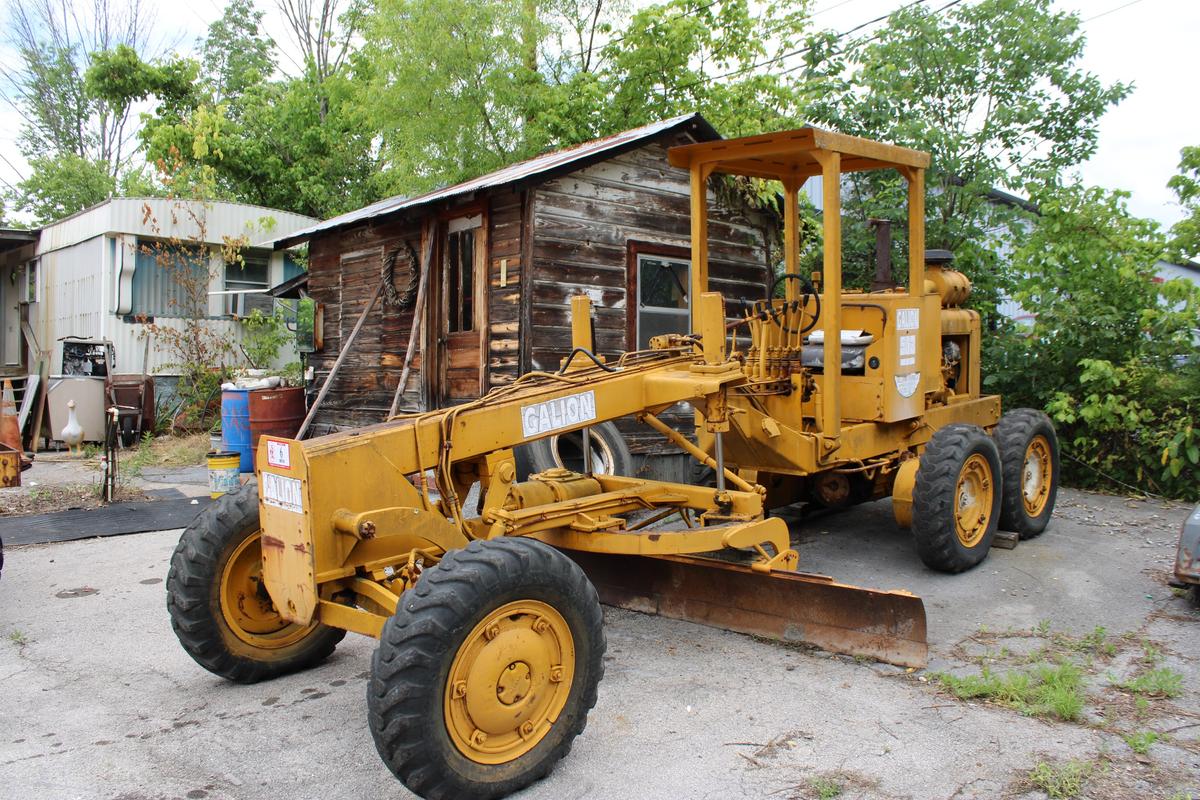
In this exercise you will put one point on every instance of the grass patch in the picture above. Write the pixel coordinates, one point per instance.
(169, 451)
(1060, 781)
(826, 787)
(1159, 682)
(1140, 742)
(19, 638)
(1044, 691)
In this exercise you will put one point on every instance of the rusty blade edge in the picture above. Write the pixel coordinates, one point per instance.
(791, 607)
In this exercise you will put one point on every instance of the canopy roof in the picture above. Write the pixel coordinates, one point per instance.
(789, 154)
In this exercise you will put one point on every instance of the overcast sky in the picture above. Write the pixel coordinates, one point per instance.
(1148, 42)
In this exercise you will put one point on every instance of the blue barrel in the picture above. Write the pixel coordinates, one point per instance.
(235, 426)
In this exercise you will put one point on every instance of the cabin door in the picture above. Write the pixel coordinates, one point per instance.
(459, 307)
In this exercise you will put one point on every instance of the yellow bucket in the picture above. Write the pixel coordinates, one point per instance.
(223, 473)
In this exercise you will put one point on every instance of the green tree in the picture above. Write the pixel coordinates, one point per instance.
(992, 90)
(78, 143)
(236, 54)
(229, 131)
(1185, 234)
(61, 185)
(1109, 353)
(456, 94)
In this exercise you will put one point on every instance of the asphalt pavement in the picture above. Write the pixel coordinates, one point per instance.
(99, 701)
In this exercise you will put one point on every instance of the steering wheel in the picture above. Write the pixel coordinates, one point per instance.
(779, 314)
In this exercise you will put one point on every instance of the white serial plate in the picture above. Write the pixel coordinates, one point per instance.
(282, 492)
(553, 415)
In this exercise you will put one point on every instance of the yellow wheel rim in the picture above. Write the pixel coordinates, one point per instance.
(509, 682)
(973, 500)
(1037, 474)
(246, 606)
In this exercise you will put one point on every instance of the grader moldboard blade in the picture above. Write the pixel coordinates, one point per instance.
(787, 606)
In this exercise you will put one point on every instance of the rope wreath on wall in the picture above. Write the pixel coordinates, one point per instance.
(400, 298)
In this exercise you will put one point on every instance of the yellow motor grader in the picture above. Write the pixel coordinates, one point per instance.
(488, 612)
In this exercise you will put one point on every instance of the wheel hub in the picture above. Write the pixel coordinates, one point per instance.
(973, 500)
(1036, 476)
(514, 683)
(245, 604)
(509, 681)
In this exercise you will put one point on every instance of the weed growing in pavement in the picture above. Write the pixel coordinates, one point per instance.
(1048, 690)
(18, 638)
(1140, 742)
(1159, 682)
(826, 788)
(1060, 781)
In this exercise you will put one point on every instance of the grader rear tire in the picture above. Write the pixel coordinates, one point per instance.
(610, 453)
(219, 607)
(956, 498)
(1029, 457)
(486, 672)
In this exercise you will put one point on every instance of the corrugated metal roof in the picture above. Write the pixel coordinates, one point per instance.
(551, 162)
(169, 218)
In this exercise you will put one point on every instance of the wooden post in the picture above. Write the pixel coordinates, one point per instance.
(418, 316)
(337, 365)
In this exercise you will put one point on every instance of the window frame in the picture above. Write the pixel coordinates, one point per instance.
(635, 251)
(235, 304)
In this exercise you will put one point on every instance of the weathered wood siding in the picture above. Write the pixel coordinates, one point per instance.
(344, 270)
(543, 245)
(583, 224)
(506, 227)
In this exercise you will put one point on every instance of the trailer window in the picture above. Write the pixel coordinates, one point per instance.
(662, 301)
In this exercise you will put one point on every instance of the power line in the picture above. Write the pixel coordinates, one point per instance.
(1111, 11)
(12, 167)
(830, 8)
(650, 28)
(808, 49)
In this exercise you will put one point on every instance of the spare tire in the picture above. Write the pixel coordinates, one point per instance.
(610, 454)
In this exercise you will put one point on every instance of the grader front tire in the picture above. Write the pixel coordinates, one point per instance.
(956, 498)
(486, 672)
(219, 608)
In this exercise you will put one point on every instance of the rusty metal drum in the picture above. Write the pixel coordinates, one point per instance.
(275, 412)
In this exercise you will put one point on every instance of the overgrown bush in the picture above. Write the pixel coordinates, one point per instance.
(1111, 354)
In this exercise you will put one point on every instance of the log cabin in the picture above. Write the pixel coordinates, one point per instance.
(507, 250)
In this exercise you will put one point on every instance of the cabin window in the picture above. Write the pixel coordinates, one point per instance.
(249, 281)
(662, 296)
(460, 280)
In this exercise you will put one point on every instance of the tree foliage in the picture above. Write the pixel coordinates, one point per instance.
(1110, 353)
(1185, 234)
(993, 91)
(300, 144)
(77, 142)
(455, 93)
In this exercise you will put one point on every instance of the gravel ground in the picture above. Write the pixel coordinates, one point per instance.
(100, 702)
